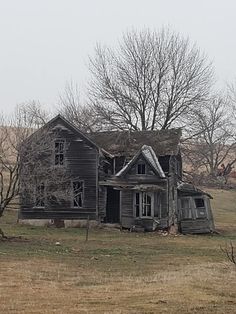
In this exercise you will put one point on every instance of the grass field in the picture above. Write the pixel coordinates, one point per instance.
(118, 272)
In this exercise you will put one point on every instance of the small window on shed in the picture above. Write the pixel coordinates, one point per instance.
(200, 208)
(199, 202)
(141, 168)
(59, 151)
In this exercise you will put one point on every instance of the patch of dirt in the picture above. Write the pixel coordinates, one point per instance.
(14, 239)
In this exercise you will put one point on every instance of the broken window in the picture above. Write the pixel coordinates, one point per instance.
(78, 191)
(146, 204)
(40, 195)
(59, 152)
(143, 204)
(200, 208)
(141, 168)
(199, 202)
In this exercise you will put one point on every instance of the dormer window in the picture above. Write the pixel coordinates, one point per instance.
(59, 152)
(141, 168)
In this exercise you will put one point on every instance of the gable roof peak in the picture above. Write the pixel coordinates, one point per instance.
(149, 155)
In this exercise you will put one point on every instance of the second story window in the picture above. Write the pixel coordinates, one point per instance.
(59, 152)
(141, 168)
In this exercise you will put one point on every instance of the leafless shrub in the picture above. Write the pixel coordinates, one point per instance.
(229, 251)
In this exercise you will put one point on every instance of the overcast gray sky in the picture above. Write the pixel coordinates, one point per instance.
(45, 43)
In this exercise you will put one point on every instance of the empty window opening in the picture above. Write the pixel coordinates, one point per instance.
(78, 191)
(199, 202)
(141, 169)
(59, 152)
(40, 195)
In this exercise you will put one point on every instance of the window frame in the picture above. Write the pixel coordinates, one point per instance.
(188, 210)
(60, 153)
(200, 209)
(139, 207)
(143, 167)
(73, 194)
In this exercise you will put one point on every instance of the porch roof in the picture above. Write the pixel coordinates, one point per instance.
(129, 186)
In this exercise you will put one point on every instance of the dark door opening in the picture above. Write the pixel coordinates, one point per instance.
(113, 205)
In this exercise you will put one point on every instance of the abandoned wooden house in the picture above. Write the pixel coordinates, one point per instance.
(129, 178)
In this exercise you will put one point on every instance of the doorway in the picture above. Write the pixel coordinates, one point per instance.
(113, 205)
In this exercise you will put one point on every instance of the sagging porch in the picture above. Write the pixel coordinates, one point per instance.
(136, 205)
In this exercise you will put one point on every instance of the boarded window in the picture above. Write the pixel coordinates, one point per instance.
(78, 193)
(186, 210)
(59, 152)
(40, 195)
(141, 169)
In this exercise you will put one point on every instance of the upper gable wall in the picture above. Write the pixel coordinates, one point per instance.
(64, 128)
(150, 175)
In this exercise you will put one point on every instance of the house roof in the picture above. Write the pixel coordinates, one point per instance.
(148, 153)
(127, 143)
(60, 123)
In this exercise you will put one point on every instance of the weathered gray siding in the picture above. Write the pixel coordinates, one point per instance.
(127, 213)
(190, 222)
(81, 163)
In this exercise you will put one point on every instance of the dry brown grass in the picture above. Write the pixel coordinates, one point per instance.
(118, 272)
(43, 286)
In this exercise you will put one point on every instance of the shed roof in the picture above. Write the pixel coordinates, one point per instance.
(127, 143)
(189, 188)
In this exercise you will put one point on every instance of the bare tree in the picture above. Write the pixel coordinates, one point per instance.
(32, 114)
(12, 133)
(152, 80)
(26, 161)
(232, 98)
(80, 115)
(213, 147)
